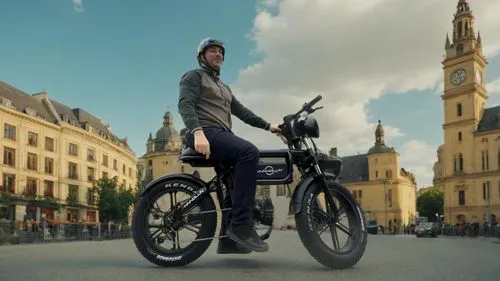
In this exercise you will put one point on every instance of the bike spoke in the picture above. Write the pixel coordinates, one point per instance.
(192, 227)
(175, 242)
(344, 229)
(157, 233)
(156, 211)
(335, 238)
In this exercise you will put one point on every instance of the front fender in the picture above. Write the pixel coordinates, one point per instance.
(300, 190)
(165, 178)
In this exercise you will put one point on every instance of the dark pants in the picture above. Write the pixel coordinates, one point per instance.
(231, 150)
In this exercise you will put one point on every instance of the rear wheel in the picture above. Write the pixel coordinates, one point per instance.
(157, 234)
(315, 219)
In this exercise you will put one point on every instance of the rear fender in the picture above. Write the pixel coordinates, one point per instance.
(163, 179)
(299, 192)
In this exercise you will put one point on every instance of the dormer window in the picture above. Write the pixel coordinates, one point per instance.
(6, 102)
(30, 111)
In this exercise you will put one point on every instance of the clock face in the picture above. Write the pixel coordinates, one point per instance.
(479, 77)
(458, 77)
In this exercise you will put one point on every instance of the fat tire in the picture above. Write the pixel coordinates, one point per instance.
(311, 240)
(196, 249)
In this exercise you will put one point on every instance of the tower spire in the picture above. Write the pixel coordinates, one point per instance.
(379, 134)
(463, 22)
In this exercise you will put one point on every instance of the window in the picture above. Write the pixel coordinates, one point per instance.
(485, 160)
(32, 162)
(73, 149)
(486, 190)
(9, 183)
(73, 193)
(30, 187)
(90, 155)
(9, 156)
(358, 195)
(91, 198)
(49, 165)
(459, 136)
(388, 174)
(49, 144)
(48, 188)
(32, 139)
(90, 174)
(9, 132)
(459, 109)
(458, 163)
(72, 171)
(105, 160)
(461, 197)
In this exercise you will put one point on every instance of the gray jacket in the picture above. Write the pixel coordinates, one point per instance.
(204, 100)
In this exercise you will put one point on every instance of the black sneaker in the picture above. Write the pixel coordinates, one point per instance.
(246, 236)
(228, 246)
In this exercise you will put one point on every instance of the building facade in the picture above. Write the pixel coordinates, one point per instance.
(52, 155)
(385, 190)
(468, 166)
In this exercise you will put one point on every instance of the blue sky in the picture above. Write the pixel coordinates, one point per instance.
(121, 60)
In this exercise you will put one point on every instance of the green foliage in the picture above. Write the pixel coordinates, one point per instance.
(5, 198)
(113, 201)
(429, 203)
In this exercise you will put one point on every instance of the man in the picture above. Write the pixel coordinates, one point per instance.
(205, 105)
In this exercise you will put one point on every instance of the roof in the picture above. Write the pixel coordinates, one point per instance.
(355, 169)
(21, 100)
(77, 116)
(490, 120)
(380, 148)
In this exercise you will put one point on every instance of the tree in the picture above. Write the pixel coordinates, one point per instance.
(113, 201)
(429, 203)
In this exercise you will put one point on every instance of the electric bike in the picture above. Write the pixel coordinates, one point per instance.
(318, 202)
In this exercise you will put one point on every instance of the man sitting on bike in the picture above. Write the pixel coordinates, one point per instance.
(205, 105)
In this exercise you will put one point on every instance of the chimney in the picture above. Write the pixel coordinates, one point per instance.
(333, 151)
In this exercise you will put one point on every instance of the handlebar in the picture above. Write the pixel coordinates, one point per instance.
(308, 106)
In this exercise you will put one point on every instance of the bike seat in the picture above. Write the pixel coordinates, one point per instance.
(195, 159)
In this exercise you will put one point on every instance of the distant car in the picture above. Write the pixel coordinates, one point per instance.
(372, 227)
(426, 229)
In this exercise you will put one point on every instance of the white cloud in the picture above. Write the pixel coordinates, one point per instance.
(350, 52)
(78, 5)
(418, 157)
(493, 87)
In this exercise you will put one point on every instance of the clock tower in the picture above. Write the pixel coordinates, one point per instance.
(464, 93)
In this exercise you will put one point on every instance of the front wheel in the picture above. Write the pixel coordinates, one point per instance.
(315, 218)
(159, 236)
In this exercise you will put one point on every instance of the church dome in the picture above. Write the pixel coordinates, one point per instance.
(167, 132)
(380, 146)
(167, 138)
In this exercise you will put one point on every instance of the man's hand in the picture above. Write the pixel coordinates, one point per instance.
(276, 130)
(201, 144)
